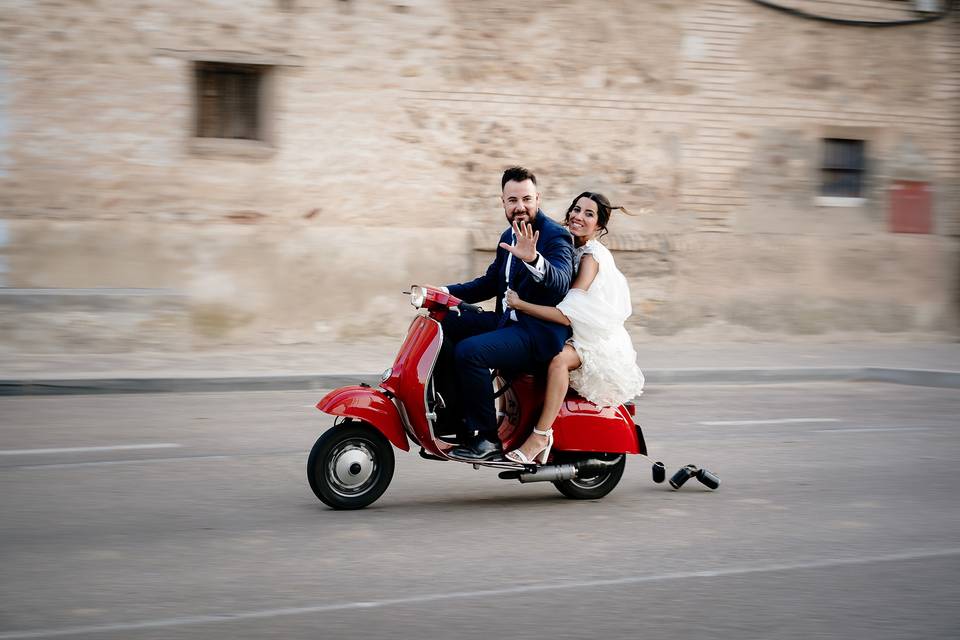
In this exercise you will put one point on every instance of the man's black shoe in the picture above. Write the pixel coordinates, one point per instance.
(481, 450)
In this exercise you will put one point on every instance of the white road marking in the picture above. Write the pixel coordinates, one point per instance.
(916, 554)
(728, 423)
(871, 429)
(102, 463)
(116, 447)
(98, 463)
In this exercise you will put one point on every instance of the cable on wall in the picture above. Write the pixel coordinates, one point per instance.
(858, 23)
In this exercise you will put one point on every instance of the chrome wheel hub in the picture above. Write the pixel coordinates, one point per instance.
(352, 467)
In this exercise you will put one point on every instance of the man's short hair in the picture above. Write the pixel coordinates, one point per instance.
(517, 174)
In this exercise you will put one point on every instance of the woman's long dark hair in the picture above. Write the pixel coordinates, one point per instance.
(604, 209)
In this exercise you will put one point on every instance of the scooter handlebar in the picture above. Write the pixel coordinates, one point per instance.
(432, 298)
(435, 299)
(466, 306)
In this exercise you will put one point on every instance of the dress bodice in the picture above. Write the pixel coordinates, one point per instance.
(578, 252)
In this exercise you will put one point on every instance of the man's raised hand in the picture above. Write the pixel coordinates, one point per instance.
(526, 247)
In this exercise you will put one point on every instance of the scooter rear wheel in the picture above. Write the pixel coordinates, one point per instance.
(595, 485)
(350, 466)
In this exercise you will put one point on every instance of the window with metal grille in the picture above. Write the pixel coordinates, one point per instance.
(229, 100)
(843, 168)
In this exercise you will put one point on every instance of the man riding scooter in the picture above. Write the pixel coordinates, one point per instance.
(540, 271)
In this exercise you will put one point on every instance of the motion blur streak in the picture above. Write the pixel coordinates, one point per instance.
(292, 611)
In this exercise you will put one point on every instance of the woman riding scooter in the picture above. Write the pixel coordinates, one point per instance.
(599, 360)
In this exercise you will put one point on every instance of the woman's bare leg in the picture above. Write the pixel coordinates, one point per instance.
(558, 381)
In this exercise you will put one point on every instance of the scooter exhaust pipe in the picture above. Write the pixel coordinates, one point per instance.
(596, 464)
(557, 472)
(549, 473)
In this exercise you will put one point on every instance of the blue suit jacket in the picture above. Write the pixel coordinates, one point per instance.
(556, 246)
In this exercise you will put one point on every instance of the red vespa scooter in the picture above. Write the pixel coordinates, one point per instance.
(352, 463)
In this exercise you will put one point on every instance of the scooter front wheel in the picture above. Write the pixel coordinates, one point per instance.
(596, 484)
(350, 466)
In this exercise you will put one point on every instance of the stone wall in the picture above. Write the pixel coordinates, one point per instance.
(389, 125)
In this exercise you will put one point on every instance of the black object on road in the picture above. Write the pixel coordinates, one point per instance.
(659, 472)
(708, 478)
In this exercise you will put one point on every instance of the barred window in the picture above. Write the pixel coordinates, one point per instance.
(843, 169)
(230, 100)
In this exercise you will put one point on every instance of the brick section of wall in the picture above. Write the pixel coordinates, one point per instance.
(808, 88)
(713, 37)
(675, 108)
(392, 122)
(946, 94)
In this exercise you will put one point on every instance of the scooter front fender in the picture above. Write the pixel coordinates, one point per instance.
(369, 405)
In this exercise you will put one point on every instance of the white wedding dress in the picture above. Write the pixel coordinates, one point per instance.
(609, 374)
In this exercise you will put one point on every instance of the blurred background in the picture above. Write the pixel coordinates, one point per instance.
(187, 176)
(203, 196)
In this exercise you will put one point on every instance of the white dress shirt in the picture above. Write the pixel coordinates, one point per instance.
(538, 270)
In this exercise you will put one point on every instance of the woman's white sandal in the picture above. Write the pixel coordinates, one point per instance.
(539, 457)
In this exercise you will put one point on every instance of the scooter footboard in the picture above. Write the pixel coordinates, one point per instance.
(582, 426)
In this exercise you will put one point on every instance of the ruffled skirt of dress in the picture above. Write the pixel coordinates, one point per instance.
(609, 374)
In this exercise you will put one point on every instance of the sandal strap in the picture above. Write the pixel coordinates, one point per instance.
(543, 433)
(518, 456)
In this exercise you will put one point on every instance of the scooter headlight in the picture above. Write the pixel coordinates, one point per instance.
(418, 295)
(386, 374)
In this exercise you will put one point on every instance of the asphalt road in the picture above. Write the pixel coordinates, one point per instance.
(189, 516)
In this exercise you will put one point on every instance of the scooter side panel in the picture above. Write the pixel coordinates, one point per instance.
(520, 405)
(583, 426)
(411, 375)
(370, 406)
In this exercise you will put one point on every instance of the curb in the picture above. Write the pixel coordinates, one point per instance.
(918, 377)
(185, 384)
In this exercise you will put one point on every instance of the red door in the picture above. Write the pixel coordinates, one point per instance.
(911, 209)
